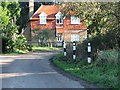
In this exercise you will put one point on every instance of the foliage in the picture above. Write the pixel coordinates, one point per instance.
(43, 36)
(8, 36)
(4, 18)
(104, 66)
(96, 15)
(14, 9)
(101, 18)
(106, 41)
(20, 42)
(11, 41)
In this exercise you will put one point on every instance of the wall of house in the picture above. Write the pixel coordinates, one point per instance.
(67, 28)
(51, 24)
(67, 34)
(83, 35)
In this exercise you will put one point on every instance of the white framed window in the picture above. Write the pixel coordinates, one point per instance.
(75, 37)
(43, 18)
(59, 18)
(75, 20)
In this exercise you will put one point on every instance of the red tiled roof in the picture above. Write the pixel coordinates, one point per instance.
(50, 10)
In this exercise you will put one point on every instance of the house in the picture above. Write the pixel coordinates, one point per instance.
(68, 29)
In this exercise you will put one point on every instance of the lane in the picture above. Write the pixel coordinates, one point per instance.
(33, 70)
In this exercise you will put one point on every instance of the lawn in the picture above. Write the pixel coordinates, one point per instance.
(16, 52)
(34, 48)
(101, 72)
(38, 48)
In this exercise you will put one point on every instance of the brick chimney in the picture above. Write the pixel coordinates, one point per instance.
(31, 7)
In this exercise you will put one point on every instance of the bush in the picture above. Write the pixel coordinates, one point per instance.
(105, 41)
(108, 58)
(7, 45)
(29, 47)
(21, 43)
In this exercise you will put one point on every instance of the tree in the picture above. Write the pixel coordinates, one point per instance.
(95, 15)
(8, 26)
(24, 15)
(43, 36)
(100, 17)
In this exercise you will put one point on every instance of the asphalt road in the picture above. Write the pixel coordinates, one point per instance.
(33, 70)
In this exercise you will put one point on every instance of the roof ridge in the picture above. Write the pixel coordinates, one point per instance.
(36, 11)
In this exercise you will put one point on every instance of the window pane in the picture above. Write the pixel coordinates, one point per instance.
(75, 20)
(57, 20)
(75, 37)
(43, 21)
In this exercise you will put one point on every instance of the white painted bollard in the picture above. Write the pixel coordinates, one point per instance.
(89, 52)
(74, 50)
(64, 46)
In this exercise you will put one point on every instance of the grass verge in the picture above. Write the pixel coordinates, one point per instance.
(103, 72)
(16, 52)
(36, 48)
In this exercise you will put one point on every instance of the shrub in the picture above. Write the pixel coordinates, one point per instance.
(108, 58)
(7, 45)
(105, 41)
(21, 43)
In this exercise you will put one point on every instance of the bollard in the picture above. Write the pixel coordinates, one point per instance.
(74, 50)
(64, 46)
(89, 52)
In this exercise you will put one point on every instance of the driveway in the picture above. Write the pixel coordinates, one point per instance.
(32, 70)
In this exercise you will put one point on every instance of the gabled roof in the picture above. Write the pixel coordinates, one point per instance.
(59, 13)
(42, 14)
(49, 10)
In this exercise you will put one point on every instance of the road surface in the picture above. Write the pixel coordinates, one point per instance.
(33, 70)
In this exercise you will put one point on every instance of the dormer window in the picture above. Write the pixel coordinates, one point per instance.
(59, 18)
(75, 20)
(43, 18)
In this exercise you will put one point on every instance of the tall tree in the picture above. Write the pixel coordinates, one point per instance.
(8, 28)
(102, 19)
(97, 16)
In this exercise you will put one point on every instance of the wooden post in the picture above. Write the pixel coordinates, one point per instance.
(64, 46)
(74, 50)
(89, 52)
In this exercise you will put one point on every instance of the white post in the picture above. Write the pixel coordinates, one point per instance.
(89, 52)
(74, 50)
(64, 46)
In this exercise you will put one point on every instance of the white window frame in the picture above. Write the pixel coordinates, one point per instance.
(43, 18)
(75, 37)
(75, 20)
(59, 18)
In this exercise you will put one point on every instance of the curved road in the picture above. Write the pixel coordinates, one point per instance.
(33, 70)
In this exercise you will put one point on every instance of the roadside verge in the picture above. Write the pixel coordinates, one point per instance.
(84, 83)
